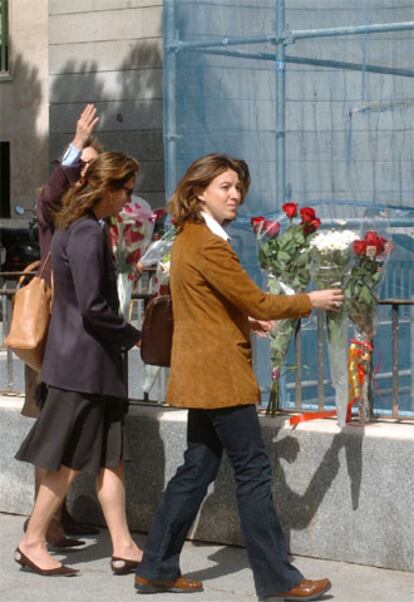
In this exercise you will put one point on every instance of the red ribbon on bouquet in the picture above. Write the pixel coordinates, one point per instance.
(359, 357)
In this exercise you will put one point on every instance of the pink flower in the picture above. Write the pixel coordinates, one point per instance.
(271, 227)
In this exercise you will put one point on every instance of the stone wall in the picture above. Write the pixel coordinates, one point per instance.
(24, 116)
(342, 495)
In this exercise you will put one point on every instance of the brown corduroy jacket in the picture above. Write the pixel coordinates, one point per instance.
(211, 364)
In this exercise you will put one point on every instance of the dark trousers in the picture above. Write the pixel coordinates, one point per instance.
(237, 431)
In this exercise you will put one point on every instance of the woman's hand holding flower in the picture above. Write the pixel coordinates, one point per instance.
(330, 299)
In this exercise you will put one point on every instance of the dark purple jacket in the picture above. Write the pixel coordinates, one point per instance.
(50, 201)
(86, 334)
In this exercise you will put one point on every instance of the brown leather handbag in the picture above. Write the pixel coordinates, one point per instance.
(157, 332)
(30, 317)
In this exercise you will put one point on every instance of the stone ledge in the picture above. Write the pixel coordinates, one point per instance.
(342, 495)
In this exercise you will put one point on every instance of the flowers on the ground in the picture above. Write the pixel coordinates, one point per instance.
(283, 249)
(331, 258)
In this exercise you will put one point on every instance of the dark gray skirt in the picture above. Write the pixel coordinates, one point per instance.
(78, 430)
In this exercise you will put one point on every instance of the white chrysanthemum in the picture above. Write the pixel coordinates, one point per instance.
(333, 240)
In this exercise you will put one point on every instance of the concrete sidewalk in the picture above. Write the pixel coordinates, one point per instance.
(224, 571)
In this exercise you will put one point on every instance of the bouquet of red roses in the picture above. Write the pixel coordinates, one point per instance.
(283, 249)
(361, 300)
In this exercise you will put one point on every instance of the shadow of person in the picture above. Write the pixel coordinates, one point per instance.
(297, 510)
(227, 560)
(218, 517)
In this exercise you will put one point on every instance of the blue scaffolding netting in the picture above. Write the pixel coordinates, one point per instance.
(318, 98)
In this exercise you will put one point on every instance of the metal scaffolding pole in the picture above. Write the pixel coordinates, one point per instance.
(282, 37)
(280, 67)
(170, 81)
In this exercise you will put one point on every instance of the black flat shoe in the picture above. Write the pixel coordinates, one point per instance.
(122, 566)
(72, 527)
(60, 571)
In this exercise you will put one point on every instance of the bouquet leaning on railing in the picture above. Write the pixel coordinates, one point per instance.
(283, 249)
(131, 232)
(361, 299)
(331, 259)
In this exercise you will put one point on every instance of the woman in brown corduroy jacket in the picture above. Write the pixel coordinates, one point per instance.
(211, 374)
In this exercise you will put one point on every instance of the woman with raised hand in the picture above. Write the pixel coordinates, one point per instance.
(81, 423)
(211, 374)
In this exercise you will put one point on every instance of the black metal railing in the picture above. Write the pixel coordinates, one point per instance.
(145, 291)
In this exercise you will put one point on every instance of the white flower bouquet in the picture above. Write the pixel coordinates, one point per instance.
(331, 259)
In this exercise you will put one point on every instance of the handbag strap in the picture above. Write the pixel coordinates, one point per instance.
(35, 266)
(44, 264)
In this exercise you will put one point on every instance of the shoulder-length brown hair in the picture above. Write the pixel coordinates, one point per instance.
(184, 205)
(109, 171)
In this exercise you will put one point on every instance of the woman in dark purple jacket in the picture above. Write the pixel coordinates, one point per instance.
(81, 424)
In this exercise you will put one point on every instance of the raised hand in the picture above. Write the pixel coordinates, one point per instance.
(85, 126)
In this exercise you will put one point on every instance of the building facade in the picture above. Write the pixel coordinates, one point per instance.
(63, 54)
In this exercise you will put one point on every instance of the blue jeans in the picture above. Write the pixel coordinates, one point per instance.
(237, 431)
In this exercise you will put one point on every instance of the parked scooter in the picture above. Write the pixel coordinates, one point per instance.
(19, 246)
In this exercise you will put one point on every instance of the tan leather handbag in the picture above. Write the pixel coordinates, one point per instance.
(157, 332)
(30, 317)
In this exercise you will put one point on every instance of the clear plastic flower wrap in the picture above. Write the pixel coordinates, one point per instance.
(158, 254)
(131, 232)
(283, 250)
(361, 296)
(331, 261)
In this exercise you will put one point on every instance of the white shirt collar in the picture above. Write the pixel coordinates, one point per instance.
(214, 226)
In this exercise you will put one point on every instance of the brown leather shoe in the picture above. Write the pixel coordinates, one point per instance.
(305, 591)
(181, 585)
(60, 571)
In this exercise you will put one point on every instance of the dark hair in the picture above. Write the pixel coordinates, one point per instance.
(184, 205)
(109, 171)
(95, 144)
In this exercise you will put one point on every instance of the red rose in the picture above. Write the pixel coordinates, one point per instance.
(271, 227)
(134, 257)
(307, 214)
(291, 209)
(373, 240)
(312, 226)
(160, 213)
(360, 247)
(135, 236)
(256, 222)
